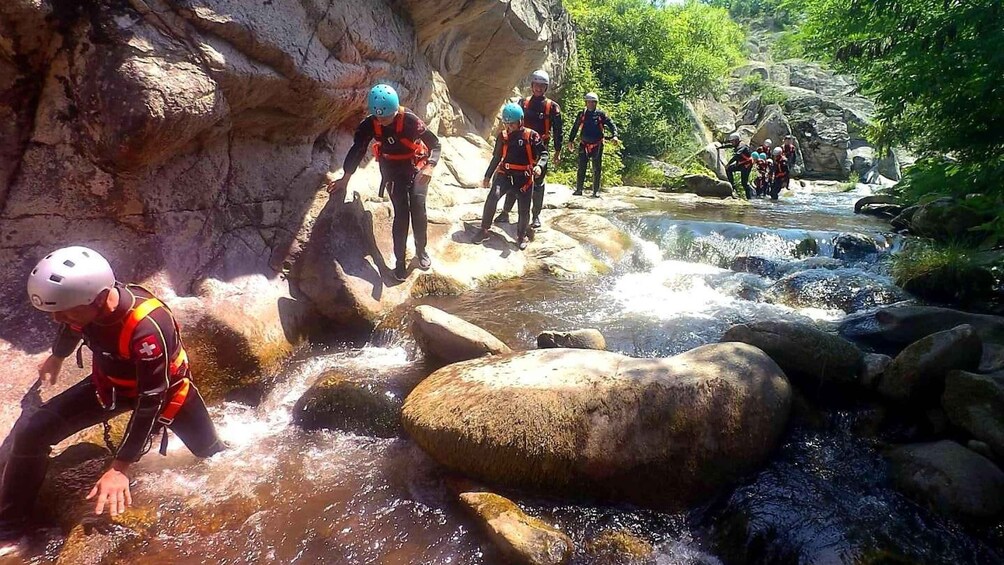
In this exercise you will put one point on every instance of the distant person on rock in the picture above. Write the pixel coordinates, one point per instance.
(407, 152)
(520, 156)
(741, 162)
(592, 121)
(542, 115)
(139, 365)
(781, 173)
(790, 152)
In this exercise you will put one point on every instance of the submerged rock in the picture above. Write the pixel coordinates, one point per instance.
(575, 339)
(949, 477)
(449, 339)
(706, 186)
(917, 375)
(854, 247)
(618, 547)
(752, 264)
(525, 540)
(338, 402)
(662, 433)
(849, 290)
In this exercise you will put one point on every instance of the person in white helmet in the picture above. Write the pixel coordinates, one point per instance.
(542, 115)
(139, 365)
(592, 121)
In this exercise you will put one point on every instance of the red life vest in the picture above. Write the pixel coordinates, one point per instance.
(546, 134)
(419, 152)
(129, 387)
(504, 166)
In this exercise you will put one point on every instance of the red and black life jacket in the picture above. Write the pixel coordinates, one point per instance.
(506, 168)
(419, 154)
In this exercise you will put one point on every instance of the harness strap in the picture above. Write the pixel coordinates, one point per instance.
(419, 151)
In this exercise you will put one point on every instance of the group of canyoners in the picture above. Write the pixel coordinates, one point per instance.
(772, 166)
(139, 363)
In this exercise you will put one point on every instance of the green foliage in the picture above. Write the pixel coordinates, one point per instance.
(934, 68)
(684, 50)
(946, 272)
(772, 94)
(565, 172)
(788, 45)
(639, 173)
(752, 9)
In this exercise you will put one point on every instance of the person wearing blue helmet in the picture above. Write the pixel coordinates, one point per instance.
(542, 115)
(520, 156)
(592, 121)
(407, 152)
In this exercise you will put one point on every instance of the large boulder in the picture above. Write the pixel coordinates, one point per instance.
(948, 219)
(917, 375)
(773, 126)
(849, 290)
(660, 433)
(575, 339)
(975, 403)
(523, 539)
(718, 117)
(817, 362)
(854, 247)
(879, 205)
(449, 339)
(706, 186)
(903, 325)
(949, 477)
(714, 159)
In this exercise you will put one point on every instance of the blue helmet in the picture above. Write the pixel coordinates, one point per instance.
(383, 100)
(512, 113)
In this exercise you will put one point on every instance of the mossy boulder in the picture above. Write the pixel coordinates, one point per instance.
(339, 402)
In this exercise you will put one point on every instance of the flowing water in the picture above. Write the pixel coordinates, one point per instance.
(287, 496)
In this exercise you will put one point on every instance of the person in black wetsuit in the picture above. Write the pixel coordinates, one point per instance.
(741, 162)
(542, 115)
(520, 156)
(139, 365)
(407, 152)
(781, 173)
(592, 121)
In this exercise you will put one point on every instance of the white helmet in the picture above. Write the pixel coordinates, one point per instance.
(69, 277)
(733, 137)
(540, 76)
(591, 97)
(776, 151)
(768, 142)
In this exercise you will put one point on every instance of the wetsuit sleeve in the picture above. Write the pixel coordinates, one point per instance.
(496, 158)
(539, 150)
(153, 377)
(575, 128)
(557, 127)
(364, 134)
(431, 141)
(610, 123)
(66, 341)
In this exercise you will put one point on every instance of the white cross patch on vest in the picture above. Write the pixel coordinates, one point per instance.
(148, 348)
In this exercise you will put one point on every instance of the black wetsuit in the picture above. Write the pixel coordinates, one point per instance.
(781, 174)
(513, 174)
(398, 174)
(741, 161)
(535, 117)
(145, 383)
(591, 146)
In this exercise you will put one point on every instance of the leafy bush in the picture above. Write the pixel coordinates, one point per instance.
(772, 94)
(639, 173)
(945, 273)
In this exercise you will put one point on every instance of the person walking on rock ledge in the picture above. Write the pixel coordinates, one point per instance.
(407, 152)
(139, 365)
(520, 156)
(592, 121)
(542, 115)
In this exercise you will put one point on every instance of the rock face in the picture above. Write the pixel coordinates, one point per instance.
(449, 339)
(656, 432)
(918, 373)
(950, 478)
(575, 339)
(975, 403)
(702, 185)
(773, 126)
(718, 117)
(525, 540)
(815, 361)
(187, 141)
